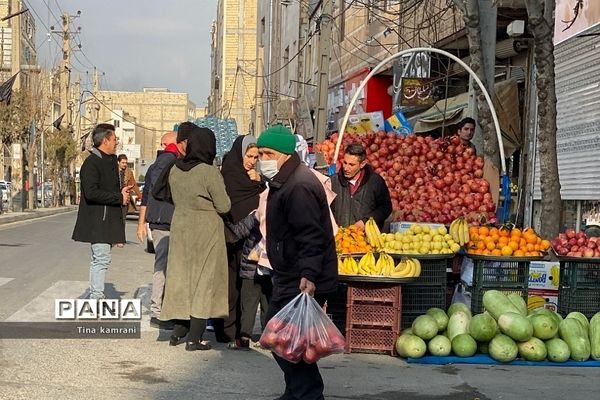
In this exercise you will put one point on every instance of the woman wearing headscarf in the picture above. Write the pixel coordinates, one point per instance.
(196, 285)
(243, 185)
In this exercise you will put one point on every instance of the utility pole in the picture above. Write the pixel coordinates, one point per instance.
(65, 70)
(18, 184)
(324, 56)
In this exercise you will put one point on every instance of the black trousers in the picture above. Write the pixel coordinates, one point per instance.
(302, 381)
(254, 292)
(228, 329)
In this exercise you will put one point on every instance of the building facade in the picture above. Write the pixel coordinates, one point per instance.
(155, 110)
(233, 61)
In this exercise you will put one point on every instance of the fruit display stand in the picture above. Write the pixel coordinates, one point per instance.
(373, 313)
(505, 274)
(579, 287)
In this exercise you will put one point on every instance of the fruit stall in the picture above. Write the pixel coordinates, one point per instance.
(450, 211)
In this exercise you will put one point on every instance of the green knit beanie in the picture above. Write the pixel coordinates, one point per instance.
(278, 138)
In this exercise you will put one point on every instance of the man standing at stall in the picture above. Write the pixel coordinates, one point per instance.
(466, 131)
(300, 244)
(361, 192)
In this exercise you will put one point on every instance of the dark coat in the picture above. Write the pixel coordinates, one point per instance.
(100, 218)
(372, 199)
(159, 214)
(300, 241)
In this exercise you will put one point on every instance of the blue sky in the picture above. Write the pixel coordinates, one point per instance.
(136, 43)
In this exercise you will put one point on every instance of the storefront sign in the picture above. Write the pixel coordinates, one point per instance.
(417, 92)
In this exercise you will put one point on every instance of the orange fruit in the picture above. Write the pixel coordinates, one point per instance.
(484, 231)
(522, 242)
(496, 252)
(519, 253)
(481, 245)
(507, 251)
(473, 230)
(490, 246)
(503, 240)
(536, 247)
(495, 237)
(530, 247)
(504, 232)
(478, 251)
(474, 237)
(515, 232)
(531, 239)
(545, 245)
(493, 231)
(486, 252)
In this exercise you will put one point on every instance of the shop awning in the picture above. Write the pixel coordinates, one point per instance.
(450, 111)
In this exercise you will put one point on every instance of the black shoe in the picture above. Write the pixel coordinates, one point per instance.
(158, 324)
(193, 346)
(175, 340)
(221, 337)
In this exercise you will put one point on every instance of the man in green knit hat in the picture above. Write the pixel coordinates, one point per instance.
(300, 244)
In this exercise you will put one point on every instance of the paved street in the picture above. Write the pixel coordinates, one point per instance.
(39, 262)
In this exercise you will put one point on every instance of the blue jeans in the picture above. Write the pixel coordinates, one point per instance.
(98, 266)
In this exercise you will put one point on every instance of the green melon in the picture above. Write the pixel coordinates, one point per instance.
(558, 350)
(440, 346)
(483, 327)
(464, 345)
(425, 327)
(502, 348)
(532, 350)
(440, 317)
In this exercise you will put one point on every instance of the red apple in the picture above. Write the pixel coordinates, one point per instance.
(577, 254)
(580, 235)
(570, 233)
(597, 253)
(587, 252)
(591, 245)
(574, 248)
(572, 242)
(581, 241)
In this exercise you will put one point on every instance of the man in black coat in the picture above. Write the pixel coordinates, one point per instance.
(300, 244)
(99, 219)
(361, 192)
(158, 214)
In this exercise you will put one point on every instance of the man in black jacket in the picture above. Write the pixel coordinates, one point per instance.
(158, 214)
(361, 193)
(300, 244)
(99, 219)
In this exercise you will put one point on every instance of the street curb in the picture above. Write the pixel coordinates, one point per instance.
(28, 215)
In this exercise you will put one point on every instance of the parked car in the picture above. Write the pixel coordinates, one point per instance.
(4, 191)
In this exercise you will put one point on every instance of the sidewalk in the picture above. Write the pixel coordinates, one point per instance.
(9, 217)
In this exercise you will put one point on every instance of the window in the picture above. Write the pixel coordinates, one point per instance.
(262, 32)
(286, 60)
(116, 123)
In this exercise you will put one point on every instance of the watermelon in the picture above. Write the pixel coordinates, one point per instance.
(425, 327)
(558, 350)
(458, 323)
(440, 346)
(595, 336)
(581, 318)
(440, 317)
(532, 350)
(518, 302)
(483, 327)
(464, 345)
(459, 307)
(496, 303)
(503, 349)
(515, 326)
(545, 326)
(573, 333)
(410, 346)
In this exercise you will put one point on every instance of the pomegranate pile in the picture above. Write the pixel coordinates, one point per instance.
(430, 180)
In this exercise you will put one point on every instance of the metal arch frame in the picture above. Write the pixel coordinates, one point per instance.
(419, 50)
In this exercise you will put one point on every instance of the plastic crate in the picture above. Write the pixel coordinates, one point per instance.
(433, 272)
(586, 301)
(374, 293)
(373, 315)
(477, 296)
(500, 273)
(371, 341)
(580, 275)
(418, 299)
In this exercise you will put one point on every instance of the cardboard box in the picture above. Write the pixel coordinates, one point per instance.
(542, 298)
(544, 275)
(403, 226)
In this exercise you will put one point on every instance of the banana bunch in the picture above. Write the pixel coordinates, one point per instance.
(373, 234)
(534, 302)
(555, 275)
(347, 266)
(367, 264)
(459, 229)
(407, 268)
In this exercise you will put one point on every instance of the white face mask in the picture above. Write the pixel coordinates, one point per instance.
(268, 168)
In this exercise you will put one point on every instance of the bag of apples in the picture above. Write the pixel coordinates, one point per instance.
(302, 331)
